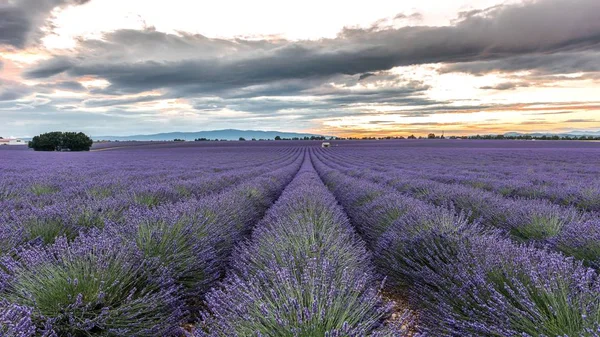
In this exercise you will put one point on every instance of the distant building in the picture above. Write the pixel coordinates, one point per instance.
(325, 144)
(12, 141)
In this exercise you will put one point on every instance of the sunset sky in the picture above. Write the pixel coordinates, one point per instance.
(122, 67)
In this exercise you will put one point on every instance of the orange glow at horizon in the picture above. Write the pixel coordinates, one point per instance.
(464, 123)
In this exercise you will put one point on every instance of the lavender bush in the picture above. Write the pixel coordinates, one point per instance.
(469, 281)
(536, 221)
(193, 239)
(40, 205)
(96, 285)
(304, 273)
(491, 287)
(16, 321)
(581, 240)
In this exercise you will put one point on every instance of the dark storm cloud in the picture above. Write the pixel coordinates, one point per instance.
(279, 88)
(71, 86)
(505, 86)
(413, 16)
(313, 108)
(21, 20)
(540, 64)
(14, 26)
(365, 75)
(95, 103)
(11, 90)
(321, 102)
(199, 64)
(386, 97)
(51, 67)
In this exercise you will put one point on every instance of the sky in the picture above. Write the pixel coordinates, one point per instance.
(344, 68)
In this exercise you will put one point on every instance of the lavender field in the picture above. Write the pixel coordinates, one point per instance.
(285, 238)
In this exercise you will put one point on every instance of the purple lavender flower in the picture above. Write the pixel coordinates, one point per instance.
(469, 281)
(304, 273)
(16, 321)
(581, 239)
(96, 284)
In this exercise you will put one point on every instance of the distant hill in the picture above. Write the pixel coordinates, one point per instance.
(229, 134)
(564, 134)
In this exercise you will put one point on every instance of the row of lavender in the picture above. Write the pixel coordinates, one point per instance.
(303, 273)
(565, 229)
(71, 204)
(565, 176)
(463, 278)
(143, 276)
(43, 179)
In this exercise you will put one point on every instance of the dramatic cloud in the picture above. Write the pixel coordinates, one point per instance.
(21, 21)
(365, 75)
(505, 86)
(538, 63)
(71, 86)
(123, 101)
(503, 50)
(410, 17)
(51, 67)
(547, 27)
(11, 90)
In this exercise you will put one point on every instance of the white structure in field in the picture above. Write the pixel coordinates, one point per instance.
(12, 141)
(325, 144)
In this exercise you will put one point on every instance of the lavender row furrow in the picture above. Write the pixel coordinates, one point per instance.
(564, 229)
(560, 176)
(304, 273)
(51, 180)
(74, 213)
(146, 276)
(467, 280)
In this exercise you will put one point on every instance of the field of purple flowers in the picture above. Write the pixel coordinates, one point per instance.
(366, 238)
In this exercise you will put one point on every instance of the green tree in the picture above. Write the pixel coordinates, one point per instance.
(49, 141)
(76, 141)
(60, 141)
(277, 138)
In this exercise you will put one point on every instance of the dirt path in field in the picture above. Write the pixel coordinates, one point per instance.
(125, 147)
(108, 148)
